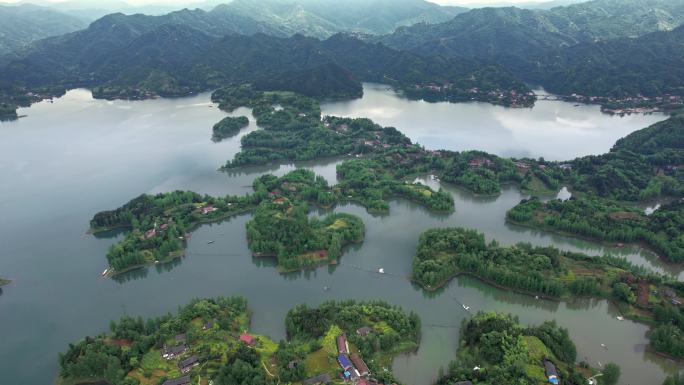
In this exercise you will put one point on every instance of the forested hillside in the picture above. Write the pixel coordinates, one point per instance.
(141, 56)
(608, 48)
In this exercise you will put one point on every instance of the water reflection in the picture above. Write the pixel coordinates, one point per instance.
(552, 129)
(91, 155)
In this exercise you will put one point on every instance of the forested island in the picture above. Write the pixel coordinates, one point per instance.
(208, 340)
(228, 127)
(282, 229)
(548, 272)
(4, 282)
(495, 348)
(161, 224)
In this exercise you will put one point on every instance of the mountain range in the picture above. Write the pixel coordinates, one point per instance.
(188, 51)
(21, 25)
(518, 38)
(607, 48)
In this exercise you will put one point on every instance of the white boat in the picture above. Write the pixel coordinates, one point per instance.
(620, 318)
(381, 270)
(466, 307)
(105, 272)
(210, 242)
(604, 346)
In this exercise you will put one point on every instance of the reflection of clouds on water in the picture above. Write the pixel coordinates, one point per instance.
(554, 130)
(208, 104)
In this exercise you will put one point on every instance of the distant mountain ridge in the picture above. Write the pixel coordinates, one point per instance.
(611, 48)
(324, 18)
(650, 65)
(509, 35)
(21, 25)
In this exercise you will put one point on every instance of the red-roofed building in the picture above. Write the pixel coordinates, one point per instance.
(342, 344)
(246, 338)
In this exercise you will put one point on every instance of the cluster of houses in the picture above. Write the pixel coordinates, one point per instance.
(178, 350)
(151, 233)
(666, 100)
(207, 209)
(352, 366)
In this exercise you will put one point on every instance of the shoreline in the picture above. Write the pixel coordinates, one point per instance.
(598, 241)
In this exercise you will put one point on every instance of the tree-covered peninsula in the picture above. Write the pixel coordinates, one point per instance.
(228, 127)
(545, 271)
(161, 224)
(208, 340)
(607, 220)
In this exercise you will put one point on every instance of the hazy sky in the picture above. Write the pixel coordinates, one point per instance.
(443, 2)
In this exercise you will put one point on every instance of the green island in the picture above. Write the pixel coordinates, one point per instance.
(293, 129)
(443, 254)
(228, 127)
(4, 282)
(495, 349)
(161, 224)
(282, 229)
(208, 341)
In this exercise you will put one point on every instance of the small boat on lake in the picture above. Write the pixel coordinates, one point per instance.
(465, 307)
(210, 242)
(620, 318)
(381, 271)
(105, 272)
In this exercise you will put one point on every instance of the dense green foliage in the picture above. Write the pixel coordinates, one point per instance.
(328, 81)
(132, 341)
(657, 138)
(667, 336)
(393, 329)
(228, 126)
(140, 56)
(292, 129)
(243, 367)
(618, 68)
(445, 253)
(609, 221)
(508, 353)
(159, 224)
(556, 339)
(586, 48)
(370, 183)
(611, 374)
(283, 229)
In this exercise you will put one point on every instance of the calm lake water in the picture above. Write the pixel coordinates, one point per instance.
(72, 158)
(553, 130)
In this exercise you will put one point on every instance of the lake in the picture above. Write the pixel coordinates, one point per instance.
(553, 130)
(69, 159)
